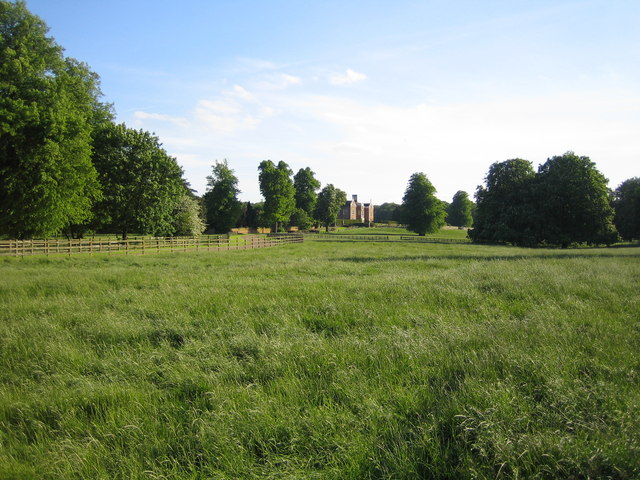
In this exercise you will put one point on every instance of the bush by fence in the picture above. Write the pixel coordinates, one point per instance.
(143, 245)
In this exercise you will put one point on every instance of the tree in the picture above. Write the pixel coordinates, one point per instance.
(306, 185)
(330, 201)
(387, 212)
(574, 202)
(187, 217)
(460, 209)
(141, 183)
(422, 212)
(506, 208)
(627, 209)
(221, 198)
(47, 105)
(278, 192)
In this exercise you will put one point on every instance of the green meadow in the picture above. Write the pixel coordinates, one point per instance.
(322, 360)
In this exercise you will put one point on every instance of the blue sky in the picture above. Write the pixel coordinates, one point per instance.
(367, 92)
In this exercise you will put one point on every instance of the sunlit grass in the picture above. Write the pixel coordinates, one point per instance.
(322, 361)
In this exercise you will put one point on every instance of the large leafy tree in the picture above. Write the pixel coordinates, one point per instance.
(506, 207)
(330, 201)
(574, 202)
(221, 198)
(306, 186)
(278, 192)
(142, 185)
(47, 109)
(627, 208)
(459, 211)
(421, 211)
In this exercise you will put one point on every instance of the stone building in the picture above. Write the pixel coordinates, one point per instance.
(353, 210)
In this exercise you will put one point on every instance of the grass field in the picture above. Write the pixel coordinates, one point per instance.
(322, 360)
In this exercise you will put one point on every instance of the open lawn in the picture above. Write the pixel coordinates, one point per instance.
(322, 360)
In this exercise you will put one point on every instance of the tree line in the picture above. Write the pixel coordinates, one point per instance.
(67, 167)
(288, 201)
(567, 201)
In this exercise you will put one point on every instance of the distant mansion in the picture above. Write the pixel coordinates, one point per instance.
(352, 210)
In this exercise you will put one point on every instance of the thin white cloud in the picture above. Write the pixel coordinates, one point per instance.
(347, 78)
(241, 93)
(140, 117)
(280, 81)
(254, 65)
(223, 117)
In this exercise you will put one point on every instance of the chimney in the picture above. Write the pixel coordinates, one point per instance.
(355, 198)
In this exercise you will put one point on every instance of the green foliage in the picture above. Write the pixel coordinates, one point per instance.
(421, 211)
(187, 217)
(221, 198)
(306, 185)
(48, 104)
(302, 219)
(278, 191)
(627, 209)
(142, 185)
(387, 212)
(255, 216)
(330, 201)
(574, 202)
(506, 209)
(357, 361)
(459, 211)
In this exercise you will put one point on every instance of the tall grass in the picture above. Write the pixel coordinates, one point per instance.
(322, 361)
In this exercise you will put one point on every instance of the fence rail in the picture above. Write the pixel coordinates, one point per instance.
(143, 245)
(333, 237)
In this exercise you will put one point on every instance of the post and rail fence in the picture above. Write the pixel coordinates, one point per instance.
(336, 237)
(143, 245)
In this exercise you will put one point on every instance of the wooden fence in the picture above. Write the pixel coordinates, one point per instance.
(143, 245)
(333, 237)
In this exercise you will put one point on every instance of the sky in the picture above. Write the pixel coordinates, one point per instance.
(366, 93)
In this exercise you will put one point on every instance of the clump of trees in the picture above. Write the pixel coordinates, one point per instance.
(565, 202)
(48, 106)
(65, 166)
(387, 212)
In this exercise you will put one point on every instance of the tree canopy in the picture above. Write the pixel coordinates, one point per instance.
(221, 198)
(278, 191)
(306, 185)
(506, 206)
(141, 183)
(566, 201)
(421, 211)
(627, 209)
(48, 104)
(459, 210)
(574, 204)
(330, 201)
